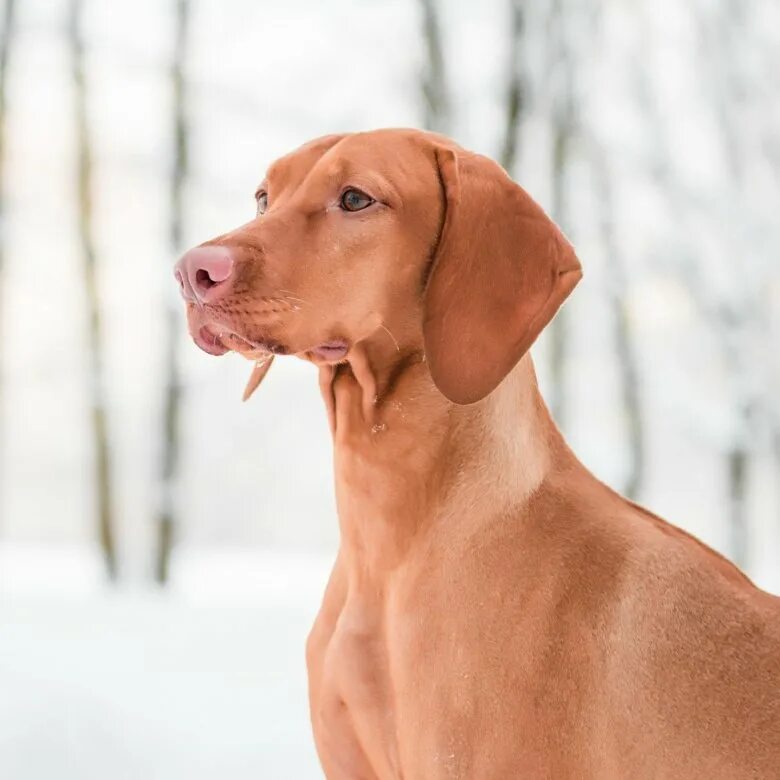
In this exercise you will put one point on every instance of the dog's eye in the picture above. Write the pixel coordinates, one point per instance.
(355, 200)
(262, 202)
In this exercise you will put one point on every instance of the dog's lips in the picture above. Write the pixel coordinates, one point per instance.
(216, 339)
(209, 342)
(331, 350)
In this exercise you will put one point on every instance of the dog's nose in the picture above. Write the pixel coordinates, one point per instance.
(204, 273)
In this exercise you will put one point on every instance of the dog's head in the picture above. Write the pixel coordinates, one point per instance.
(398, 230)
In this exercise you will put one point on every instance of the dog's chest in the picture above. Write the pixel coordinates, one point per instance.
(353, 713)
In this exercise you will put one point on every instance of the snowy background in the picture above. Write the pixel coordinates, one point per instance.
(651, 132)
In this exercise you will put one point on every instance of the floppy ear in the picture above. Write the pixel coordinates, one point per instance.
(501, 270)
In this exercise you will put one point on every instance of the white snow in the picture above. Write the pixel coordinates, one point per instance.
(205, 680)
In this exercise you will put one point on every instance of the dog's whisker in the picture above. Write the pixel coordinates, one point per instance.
(291, 295)
(395, 340)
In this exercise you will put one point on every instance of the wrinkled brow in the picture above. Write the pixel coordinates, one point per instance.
(285, 180)
(290, 171)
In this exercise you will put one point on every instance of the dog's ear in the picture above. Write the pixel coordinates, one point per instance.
(500, 271)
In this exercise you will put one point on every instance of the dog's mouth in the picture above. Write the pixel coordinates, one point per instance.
(330, 352)
(210, 341)
(218, 340)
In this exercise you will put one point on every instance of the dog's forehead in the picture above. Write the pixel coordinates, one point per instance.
(291, 169)
(381, 150)
(380, 146)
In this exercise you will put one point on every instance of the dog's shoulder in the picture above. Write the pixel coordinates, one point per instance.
(681, 630)
(695, 635)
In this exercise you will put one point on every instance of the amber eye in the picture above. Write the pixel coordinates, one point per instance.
(355, 200)
(262, 202)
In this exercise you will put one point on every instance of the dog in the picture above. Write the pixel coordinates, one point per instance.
(494, 610)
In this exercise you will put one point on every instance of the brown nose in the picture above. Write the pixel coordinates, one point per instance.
(204, 273)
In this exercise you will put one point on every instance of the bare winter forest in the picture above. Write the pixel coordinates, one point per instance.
(152, 528)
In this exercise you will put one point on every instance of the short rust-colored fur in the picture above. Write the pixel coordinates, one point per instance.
(494, 610)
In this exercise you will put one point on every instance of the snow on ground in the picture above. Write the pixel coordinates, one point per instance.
(207, 680)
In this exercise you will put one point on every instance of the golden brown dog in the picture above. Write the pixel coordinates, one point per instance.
(494, 610)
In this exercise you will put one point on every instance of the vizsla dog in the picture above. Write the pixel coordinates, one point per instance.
(494, 610)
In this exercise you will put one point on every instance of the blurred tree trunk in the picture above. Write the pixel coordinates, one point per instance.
(738, 465)
(617, 275)
(734, 316)
(617, 290)
(732, 97)
(435, 90)
(166, 520)
(723, 36)
(515, 87)
(5, 49)
(564, 121)
(96, 378)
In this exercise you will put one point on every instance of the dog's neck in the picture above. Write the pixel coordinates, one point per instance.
(406, 458)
